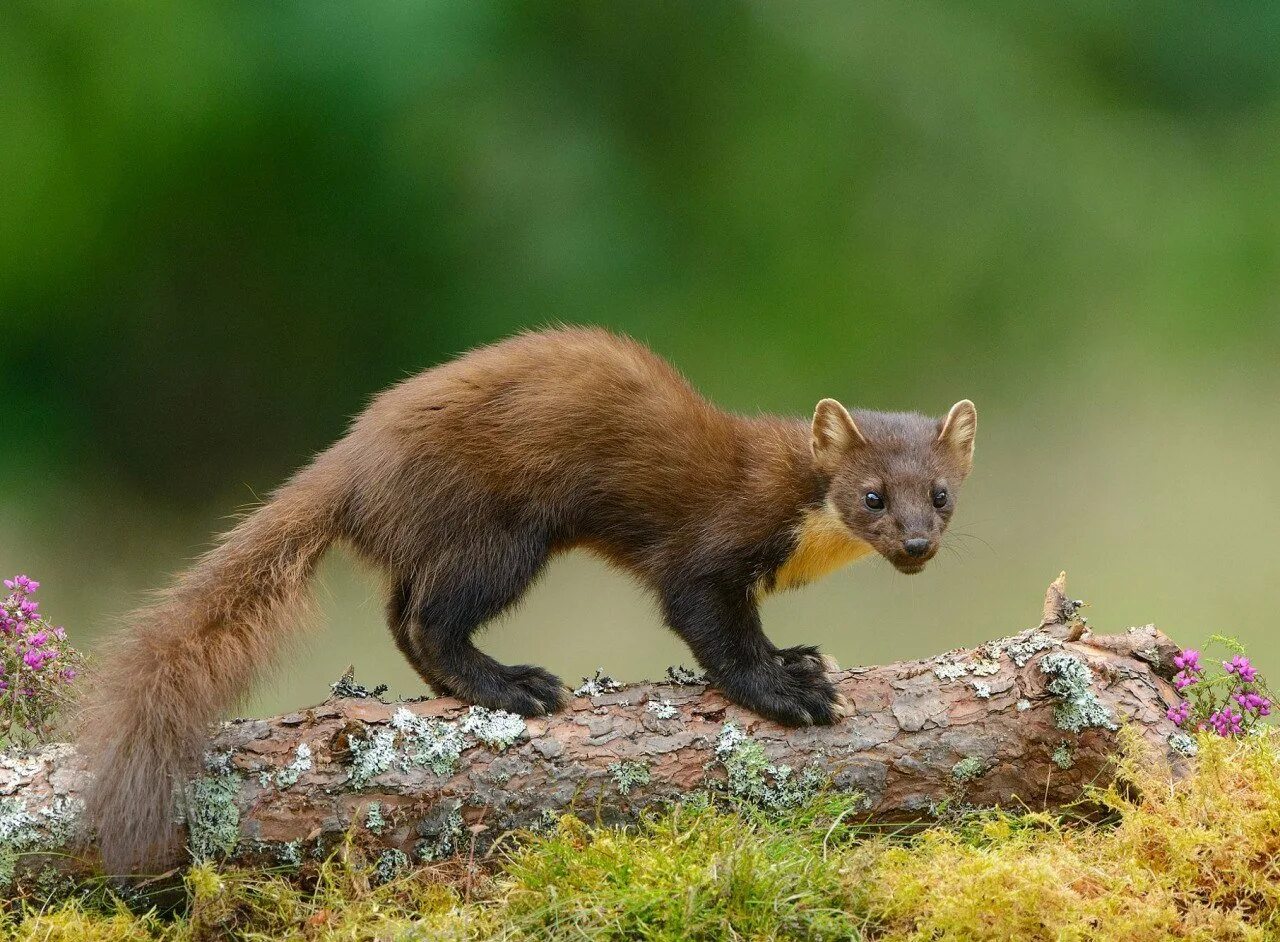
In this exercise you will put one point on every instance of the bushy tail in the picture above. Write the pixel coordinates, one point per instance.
(182, 661)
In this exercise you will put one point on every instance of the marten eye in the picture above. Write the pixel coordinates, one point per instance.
(939, 497)
(874, 501)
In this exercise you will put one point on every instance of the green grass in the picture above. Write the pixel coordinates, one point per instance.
(1196, 860)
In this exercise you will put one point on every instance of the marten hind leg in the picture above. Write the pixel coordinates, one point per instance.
(433, 621)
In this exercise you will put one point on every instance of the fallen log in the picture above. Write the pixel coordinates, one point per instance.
(1025, 721)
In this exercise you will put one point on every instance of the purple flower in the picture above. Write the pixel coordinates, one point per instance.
(1227, 722)
(21, 584)
(38, 639)
(1179, 714)
(35, 658)
(1240, 666)
(1254, 702)
(1188, 660)
(1182, 680)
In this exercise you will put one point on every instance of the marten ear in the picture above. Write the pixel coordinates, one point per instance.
(834, 433)
(957, 431)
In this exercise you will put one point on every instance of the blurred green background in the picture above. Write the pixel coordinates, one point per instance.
(223, 226)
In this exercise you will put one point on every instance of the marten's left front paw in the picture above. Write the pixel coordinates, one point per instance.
(806, 655)
(792, 688)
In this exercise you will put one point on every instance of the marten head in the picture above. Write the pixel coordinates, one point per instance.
(893, 476)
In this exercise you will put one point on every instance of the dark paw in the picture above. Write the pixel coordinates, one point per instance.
(806, 656)
(526, 690)
(792, 689)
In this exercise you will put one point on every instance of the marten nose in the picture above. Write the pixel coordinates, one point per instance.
(917, 546)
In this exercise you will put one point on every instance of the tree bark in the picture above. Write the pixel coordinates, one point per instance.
(1014, 723)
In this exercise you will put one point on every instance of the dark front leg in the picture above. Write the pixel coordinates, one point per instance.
(722, 628)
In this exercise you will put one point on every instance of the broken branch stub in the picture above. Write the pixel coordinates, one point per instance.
(1024, 721)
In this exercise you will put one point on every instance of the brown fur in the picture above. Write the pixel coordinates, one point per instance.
(458, 484)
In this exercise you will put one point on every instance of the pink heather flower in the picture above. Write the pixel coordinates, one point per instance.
(69, 674)
(1179, 714)
(1240, 666)
(1182, 680)
(1254, 702)
(21, 584)
(1227, 722)
(35, 658)
(1188, 660)
(38, 639)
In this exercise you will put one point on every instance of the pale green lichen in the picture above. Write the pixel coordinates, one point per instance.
(662, 709)
(21, 831)
(628, 775)
(373, 819)
(1023, 705)
(346, 686)
(984, 668)
(371, 756)
(1183, 743)
(495, 728)
(968, 768)
(290, 854)
(213, 817)
(428, 743)
(289, 775)
(949, 670)
(218, 763)
(1063, 756)
(981, 690)
(597, 685)
(1021, 648)
(442, 833)
(750, 775)
(684, 677)
(391, 863)
(1070, 682)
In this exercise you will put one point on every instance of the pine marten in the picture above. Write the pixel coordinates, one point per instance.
(459, 484)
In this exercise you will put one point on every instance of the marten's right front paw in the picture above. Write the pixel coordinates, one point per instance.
(793, 691)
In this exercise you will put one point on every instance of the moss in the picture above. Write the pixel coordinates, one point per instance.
(213, 817)
(289, 775)
(627, 775)
(1070, 682)
(968, 768)
(495, 728)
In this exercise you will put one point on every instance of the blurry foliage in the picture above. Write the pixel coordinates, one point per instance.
(224, 223)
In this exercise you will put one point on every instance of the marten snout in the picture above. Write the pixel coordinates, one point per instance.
(917, 547)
